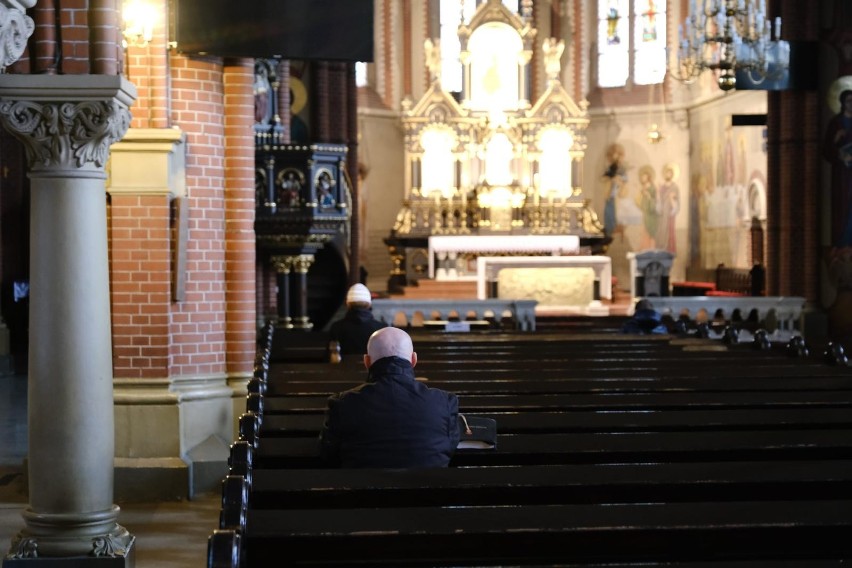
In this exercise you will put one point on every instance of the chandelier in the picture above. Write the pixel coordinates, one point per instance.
(729, 36)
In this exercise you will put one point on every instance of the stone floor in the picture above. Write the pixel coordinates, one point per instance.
(168, 534)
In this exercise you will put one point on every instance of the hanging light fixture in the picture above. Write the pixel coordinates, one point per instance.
(729, 36)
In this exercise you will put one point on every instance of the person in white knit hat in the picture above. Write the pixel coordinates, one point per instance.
(355, 328)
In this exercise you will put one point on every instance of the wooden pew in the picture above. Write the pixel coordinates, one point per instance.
(618, 469)
(610, 447)
(550, 534)
(610, 401)
(556, 484)
(309, 425)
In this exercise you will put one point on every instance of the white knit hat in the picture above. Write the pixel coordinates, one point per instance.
(358, 293)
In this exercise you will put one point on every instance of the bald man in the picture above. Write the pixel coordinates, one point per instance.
(392, 420)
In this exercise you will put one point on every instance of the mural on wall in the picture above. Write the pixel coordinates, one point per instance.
(837, 149)
(642, 204)
(299, 103)
(704, 217)
(668, 206)
(728, 191)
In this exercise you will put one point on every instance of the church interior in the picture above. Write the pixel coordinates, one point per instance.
(190, 187)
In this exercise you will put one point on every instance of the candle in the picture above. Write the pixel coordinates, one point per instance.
(777, 27)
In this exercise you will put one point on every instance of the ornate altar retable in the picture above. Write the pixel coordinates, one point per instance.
(494, 163)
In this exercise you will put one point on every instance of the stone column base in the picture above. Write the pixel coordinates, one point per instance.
(126, 560)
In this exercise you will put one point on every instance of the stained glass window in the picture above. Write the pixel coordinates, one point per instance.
(649, 50)
(631, 42)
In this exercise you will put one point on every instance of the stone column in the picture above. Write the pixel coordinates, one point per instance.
(67, 124)
(301, 264)
(282, 266)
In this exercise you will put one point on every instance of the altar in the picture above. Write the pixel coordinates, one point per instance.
(575, 282)
(496, 171)
(453, 257)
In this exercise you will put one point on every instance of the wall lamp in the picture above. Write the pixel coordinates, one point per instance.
(138, 18)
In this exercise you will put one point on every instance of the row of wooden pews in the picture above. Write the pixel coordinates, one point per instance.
(613, 450)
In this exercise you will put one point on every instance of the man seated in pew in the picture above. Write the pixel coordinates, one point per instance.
(392, 420)
(352, 331)
(646, 320)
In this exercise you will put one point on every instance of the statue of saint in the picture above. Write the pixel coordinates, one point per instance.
(433, 58)
(552, 50)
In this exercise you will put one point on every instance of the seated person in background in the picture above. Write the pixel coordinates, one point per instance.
(392, 420)
(352, 331)
(645, 320)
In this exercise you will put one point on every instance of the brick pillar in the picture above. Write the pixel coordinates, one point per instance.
(240, 316)
(283, 94)
(44, 37)
(407, 48)
(793, 163)
(320, 109)
(352, 168)
(338, 103)
(103, 52)
(71, 514)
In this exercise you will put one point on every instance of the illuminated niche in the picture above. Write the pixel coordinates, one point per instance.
(437, 163)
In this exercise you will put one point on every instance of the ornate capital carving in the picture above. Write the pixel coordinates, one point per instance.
(15, 29)
(302, 263)
(66, 122)
(66, 134)
(282, 264)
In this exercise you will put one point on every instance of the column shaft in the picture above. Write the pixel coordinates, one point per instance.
(71, 432)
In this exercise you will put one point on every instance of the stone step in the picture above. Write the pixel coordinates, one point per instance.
(439, 290)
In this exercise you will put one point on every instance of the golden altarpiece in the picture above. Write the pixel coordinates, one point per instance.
(493, 163)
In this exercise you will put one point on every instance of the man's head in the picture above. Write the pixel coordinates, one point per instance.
(845, 98)
(358, 296)
(389, 342)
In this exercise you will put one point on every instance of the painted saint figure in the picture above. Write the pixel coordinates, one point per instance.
(647, 202)
(616, 177)
(668, 205)
(837, 149)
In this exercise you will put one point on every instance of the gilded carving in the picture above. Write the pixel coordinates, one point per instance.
(302, 262)
(282, 264)
(66, 134)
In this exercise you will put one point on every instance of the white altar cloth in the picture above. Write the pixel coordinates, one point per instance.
(484, 244)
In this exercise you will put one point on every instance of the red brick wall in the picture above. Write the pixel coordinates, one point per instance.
(154, 337)
(239, 217)
(198, 324)
(140, 278)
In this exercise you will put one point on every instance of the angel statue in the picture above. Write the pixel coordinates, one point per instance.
(552, 50)
(432, 48)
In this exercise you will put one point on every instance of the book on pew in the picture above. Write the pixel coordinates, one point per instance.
(477, 432)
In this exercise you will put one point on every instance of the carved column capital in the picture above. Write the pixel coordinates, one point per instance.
(66, 122)
(15, 29)
(303, 262)
(281, 264)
